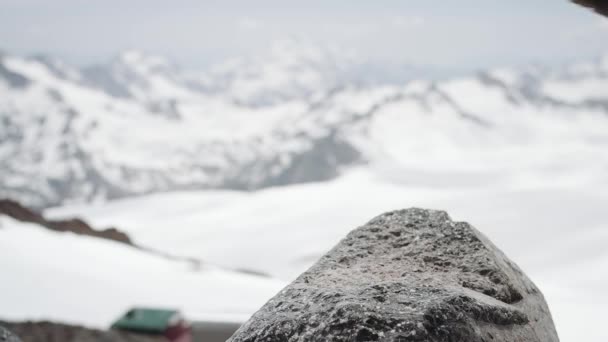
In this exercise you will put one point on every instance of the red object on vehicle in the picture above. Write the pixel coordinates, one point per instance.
(181, 332)
(169, 324)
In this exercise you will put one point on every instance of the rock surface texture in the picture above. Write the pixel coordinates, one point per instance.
(56, 332)
(7, 336)
(408, 275)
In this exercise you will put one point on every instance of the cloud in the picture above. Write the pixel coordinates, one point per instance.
(590, 30)
(248, 24)
(407, 21)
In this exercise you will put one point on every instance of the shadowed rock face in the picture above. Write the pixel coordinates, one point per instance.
(600, 6)
(7, 336)
(74, 225)
(409, 275)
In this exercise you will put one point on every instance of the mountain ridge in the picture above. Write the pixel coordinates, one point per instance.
(141, 125)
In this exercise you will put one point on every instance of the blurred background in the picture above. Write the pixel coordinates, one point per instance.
(212, 151)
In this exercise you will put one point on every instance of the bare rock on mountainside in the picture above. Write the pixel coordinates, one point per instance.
(408, 275)
(600, 6)
(54, 332)
(7, 336)
(74, 225)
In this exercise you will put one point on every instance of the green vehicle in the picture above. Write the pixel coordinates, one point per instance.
(169, 324)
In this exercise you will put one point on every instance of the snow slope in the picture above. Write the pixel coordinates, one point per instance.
(89, 281)
(140, 125)
(553, 225)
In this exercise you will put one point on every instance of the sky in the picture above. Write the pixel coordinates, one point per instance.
(464, 34)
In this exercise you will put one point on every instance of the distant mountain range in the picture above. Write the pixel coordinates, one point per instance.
(299, 114)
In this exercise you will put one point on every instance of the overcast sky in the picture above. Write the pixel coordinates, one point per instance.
(195, 33)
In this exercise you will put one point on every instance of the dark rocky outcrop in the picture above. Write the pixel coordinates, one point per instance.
(74, 225)
(77, 226)
(55, 332)
(7, 336)
(600, 6)
(408, 275)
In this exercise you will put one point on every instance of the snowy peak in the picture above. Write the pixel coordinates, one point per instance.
(582, 83)
(290, 70)
(134, 74)
(145, 72)
(58, 68)
(143, 63)
(11, 78)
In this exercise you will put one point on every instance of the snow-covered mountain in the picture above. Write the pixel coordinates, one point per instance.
(140, 125)
(290, 70)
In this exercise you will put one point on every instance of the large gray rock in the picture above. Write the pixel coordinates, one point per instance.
(408, 275)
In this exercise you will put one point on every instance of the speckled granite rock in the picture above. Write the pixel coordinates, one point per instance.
(408, 275)
(7, 336)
